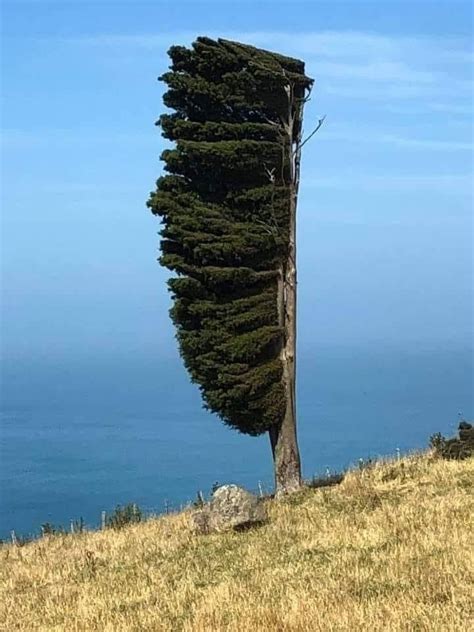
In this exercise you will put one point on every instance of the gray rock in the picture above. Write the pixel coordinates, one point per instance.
(231, 507)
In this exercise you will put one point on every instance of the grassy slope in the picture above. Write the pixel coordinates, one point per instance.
(388, 549)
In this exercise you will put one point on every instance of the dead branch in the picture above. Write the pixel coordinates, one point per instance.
(318, 126)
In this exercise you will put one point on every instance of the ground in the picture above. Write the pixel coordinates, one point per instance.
(390, 548)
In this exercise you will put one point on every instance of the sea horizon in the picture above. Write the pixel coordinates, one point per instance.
(79, 438)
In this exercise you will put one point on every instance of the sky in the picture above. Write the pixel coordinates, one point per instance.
(385, 210)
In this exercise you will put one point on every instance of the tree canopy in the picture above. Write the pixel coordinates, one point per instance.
(225, 204)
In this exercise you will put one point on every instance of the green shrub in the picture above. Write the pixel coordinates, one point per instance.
(460, 447)
(123, 516)
(47, 528)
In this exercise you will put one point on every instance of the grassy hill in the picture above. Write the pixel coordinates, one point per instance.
(390, 548)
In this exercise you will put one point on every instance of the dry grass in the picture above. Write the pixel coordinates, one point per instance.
(388, 549)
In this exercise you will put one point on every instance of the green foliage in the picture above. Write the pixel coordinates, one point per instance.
(47, 528)
(460, 447)
(437, 442)
(123, 516)
(78, 526)
(225, 204)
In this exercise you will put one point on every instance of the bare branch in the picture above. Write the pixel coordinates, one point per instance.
(270, 122)
(270, 174)
(318, 126)
(307, 98)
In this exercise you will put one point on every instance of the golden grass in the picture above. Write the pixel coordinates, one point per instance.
(388, 549)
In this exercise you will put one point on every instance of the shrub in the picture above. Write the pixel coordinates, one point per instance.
(461, 447)
(123, 516)
(47, 528)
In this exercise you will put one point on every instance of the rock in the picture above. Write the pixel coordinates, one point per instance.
(231, 507)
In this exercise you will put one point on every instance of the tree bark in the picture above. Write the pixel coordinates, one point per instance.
(283, 437)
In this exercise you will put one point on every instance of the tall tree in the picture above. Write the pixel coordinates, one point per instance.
(228, 208)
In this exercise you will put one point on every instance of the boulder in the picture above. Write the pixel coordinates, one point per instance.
(231, 507)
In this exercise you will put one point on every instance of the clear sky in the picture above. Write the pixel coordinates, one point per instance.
(385, 228)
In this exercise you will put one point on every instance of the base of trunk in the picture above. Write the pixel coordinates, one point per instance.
(286, 458)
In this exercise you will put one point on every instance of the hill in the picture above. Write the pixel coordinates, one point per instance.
(390, 548)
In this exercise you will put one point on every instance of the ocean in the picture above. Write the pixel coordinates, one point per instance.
(80, 437)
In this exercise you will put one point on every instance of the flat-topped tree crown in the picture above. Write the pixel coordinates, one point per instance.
(227, 206)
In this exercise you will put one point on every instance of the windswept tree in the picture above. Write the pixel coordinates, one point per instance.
(228, 208)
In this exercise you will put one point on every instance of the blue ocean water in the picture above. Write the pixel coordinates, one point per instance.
(81, 437)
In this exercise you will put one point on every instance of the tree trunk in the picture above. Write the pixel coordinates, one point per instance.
(283, 438)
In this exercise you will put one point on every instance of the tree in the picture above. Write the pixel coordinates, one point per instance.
(228, 208)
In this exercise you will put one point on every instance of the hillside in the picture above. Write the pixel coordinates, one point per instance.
(387, 549)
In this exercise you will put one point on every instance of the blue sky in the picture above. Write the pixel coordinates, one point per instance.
(385, 228)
